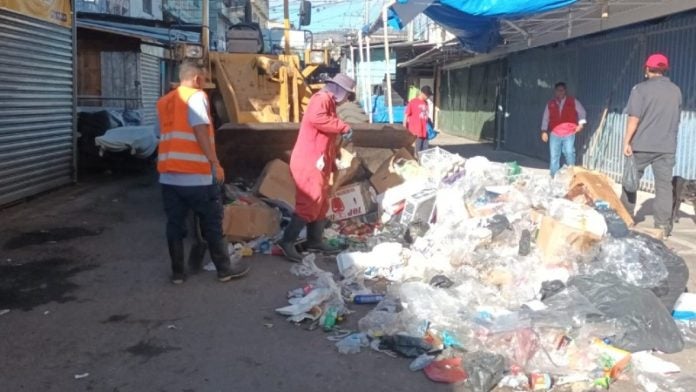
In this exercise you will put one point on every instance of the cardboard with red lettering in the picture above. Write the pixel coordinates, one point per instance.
(351, 201)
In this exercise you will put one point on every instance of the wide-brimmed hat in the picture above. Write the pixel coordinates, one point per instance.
(343, 81)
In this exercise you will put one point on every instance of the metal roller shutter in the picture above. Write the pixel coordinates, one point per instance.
(150, 84)
(36, 106)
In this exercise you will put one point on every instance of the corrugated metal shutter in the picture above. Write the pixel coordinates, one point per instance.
(150, 85)
(36, 112)
(468, 100)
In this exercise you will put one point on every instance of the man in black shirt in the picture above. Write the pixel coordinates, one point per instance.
(654, 110)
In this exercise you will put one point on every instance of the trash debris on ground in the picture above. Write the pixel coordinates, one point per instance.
(81, 376)
(485, 275)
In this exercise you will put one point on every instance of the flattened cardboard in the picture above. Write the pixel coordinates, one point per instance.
(598, 187)
(555, 238)
(277, 183)
(246, 222)
(385, 177)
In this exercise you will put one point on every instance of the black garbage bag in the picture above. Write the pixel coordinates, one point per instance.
(643, 261)
(525, 244)
(406, 346)
(630, 180)
(497, 224)
(643, 318)
(485, 370)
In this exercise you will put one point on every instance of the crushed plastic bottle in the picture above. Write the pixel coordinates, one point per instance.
(421, 362)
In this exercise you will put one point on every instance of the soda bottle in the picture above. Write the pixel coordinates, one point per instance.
(330, 319)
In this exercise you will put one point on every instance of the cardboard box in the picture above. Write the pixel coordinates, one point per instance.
(349, 169)
(597, 186)
(386, 177)
(244, 222)
(419, 207)
(351, 201)
(556, 238)
(373, 158)
(277, 183)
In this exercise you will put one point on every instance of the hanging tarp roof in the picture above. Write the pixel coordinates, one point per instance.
(476, 23)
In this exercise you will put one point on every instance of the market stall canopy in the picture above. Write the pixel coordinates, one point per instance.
(476, 23)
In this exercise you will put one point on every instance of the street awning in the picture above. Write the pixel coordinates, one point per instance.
(154, 35)
(476, 23)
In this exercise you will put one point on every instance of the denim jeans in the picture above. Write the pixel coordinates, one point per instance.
(422, 144)
(204, 201)
(558, 145)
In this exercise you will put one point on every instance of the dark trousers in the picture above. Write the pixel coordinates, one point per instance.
(204, 201)
(662, 166)
(421, 144)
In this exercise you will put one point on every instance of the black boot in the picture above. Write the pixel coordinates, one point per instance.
(315, 239)
(176, 254)
(226, 271)
(287, 244)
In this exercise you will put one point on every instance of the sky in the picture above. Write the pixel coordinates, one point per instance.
(329, 14)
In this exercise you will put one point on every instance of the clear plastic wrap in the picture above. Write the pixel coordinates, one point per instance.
(443, 166)
(632, 260)
(352, 344)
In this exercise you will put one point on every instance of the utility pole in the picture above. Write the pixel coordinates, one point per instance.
(286, 25)
(366, 13)
(205, 29)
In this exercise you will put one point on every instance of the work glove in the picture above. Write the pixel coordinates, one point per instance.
(348, 136)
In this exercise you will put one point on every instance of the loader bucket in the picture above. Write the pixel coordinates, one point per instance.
(244, 149)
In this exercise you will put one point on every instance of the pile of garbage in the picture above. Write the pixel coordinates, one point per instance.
(485, 275)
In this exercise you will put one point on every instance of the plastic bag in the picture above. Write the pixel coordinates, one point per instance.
(630, 180)
(485, 370)
(432, 133)
(632, 261)
(406, 346)
(641, 260)
(650, 382)
(352, 344)
(647, 324)
(421, 362)
(448, 371)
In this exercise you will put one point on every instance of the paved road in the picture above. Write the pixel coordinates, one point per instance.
(97, 300)
(84, 272)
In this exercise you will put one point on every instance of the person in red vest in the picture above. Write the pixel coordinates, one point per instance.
(416, 118)
(191, 175)
(564, 116)
(312, 161)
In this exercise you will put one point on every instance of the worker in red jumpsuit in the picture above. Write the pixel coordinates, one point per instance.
(311, 164)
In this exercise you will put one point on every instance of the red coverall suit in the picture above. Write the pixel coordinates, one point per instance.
(314, 156)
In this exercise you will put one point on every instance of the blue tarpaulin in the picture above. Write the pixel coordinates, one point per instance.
(476, 23)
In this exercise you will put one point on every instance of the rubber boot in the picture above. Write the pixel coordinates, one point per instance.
(315, 239)
(176, 254)
(287, 244)
(226, 270)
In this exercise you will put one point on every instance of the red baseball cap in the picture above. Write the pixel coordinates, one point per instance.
(657, 60)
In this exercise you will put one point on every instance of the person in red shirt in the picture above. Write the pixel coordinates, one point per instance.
(312, 161)
(564, 116)
(416, 118)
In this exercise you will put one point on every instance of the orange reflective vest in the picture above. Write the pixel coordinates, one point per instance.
(179, 151)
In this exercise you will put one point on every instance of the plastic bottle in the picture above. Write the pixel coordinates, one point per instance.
(330, 319)
(364, 299)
